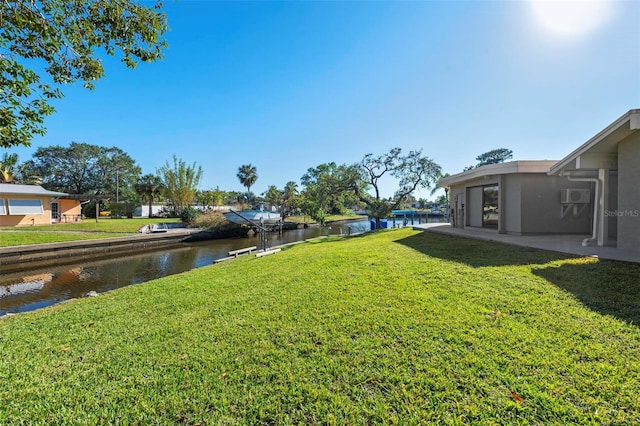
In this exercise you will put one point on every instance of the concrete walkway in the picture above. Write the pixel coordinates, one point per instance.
(571, 244)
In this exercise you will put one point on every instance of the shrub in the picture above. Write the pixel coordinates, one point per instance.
(188, 215)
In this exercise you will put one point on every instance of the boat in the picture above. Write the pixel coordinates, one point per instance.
(153, 228)
(251, 217)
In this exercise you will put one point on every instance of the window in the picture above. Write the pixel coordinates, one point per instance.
(55, 211)
(490, 206)
(3, 210)
(25, 206)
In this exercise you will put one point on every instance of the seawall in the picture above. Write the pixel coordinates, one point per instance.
(47, 253)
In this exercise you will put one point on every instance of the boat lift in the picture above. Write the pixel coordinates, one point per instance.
(260, 227)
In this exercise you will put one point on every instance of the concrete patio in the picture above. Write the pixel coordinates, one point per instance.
(571, 244)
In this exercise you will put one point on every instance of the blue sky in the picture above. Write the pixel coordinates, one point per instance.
(288, 85)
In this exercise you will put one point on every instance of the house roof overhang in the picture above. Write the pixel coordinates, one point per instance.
(601, 151)
(33, 190)
(511, 167)
(89, 197)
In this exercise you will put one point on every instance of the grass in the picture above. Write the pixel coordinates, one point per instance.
(395, 327)
(86, 230)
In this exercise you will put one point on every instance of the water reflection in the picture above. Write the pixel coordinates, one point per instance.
(34, 289)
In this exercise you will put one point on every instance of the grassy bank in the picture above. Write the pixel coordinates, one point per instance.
(88, 229)
(393, 327)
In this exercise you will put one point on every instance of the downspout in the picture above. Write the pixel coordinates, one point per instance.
(82, 203)
(594, 237)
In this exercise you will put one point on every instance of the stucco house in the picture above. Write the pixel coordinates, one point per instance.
(22, 205)
(595, 191)
(610, 162)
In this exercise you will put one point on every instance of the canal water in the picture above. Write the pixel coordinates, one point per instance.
(33, 289)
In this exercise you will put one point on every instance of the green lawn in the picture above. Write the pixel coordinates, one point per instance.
(88, 229)
(392, 327)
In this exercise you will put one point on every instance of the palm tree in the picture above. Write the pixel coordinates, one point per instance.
(7, 168)
(149, 186)
(12, 172)
(247, 174)
(288, 197)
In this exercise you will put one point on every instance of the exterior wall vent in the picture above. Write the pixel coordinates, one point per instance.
(575, 196)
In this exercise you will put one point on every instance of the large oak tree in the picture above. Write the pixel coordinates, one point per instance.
(411, 170)
(330, 184)
(81, 168)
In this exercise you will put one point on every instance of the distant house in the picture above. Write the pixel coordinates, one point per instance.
(22, 205)
(143, 210)
(595, 191)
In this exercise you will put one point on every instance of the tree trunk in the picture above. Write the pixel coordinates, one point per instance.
(150, 207)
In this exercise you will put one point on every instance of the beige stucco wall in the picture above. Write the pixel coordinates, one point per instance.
(628, 211)
(68, 207)
(541, 207)
(26, 220)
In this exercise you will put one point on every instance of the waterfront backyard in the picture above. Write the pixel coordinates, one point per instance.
(389, 327)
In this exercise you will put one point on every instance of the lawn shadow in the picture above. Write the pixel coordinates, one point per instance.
(478, 253)
(606, 286)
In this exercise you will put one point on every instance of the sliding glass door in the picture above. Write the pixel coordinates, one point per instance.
(490, 206)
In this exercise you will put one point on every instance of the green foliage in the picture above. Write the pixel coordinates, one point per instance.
(316, 213)
(286, 199)
(247, 175)
(209, 198)
(231, 197)
(188, 215)
(180, 183)
(341, 186)
(217, 197)
(13, 172)
(247, 199)
(66, 37)
(379, 208)
(149, 186)
(7, 167)
(325, 191)
(396, 327)
(442, 200)
(273, 195)
(412, 171)
(494, 156)
(123, 209)
(82, 168)
(290, 199)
